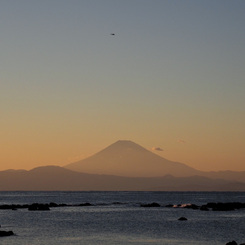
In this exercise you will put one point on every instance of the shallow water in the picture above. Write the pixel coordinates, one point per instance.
(117, 218)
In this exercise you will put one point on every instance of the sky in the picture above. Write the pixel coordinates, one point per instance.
(171, 79)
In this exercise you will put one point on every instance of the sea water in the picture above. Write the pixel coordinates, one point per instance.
(118, 218)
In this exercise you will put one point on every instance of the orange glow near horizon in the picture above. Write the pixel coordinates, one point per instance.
(30, 157)
(171, 77)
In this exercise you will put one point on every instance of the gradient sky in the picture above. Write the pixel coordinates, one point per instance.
(172, 77)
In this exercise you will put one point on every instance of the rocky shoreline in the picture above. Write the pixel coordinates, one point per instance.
(212, 206)
(40, 206)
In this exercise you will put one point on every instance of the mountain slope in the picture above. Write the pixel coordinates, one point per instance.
(126, 158)
(53, 178)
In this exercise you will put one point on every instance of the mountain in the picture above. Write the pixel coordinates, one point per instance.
(126, 158)
(53, 178)
(122, 166)
(226, 175)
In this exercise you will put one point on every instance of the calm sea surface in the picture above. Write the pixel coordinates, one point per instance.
(118, 218)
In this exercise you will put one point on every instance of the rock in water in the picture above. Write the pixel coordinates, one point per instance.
(6, 233)
(39, 207)
(154, 204)
(232, 243)
(182, 218)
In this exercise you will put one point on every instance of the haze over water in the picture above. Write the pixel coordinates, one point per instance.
(170, 79)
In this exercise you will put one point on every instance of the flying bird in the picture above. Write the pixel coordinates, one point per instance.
(112, 34)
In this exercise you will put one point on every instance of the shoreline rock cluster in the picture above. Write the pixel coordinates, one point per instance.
(40, 206)
(212, 206)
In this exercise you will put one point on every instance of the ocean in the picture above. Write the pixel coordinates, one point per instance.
(119, 218)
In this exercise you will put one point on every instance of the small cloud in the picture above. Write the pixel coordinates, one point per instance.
(157, 149)
(181, 141)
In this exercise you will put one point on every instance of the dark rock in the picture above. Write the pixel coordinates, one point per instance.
(85, 204)
(204, 208)
(169, 206)
(154, 204)
(38, 207)
(63, 205)
(6, 233)
(191, 206)
(229, 206)
(231, 243)
(182, 219)
(53, 205)
(13, 206)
